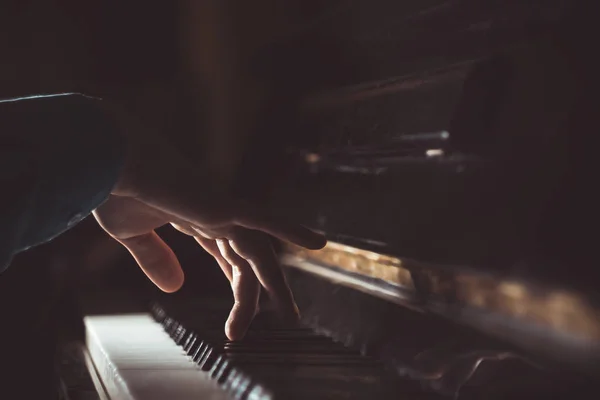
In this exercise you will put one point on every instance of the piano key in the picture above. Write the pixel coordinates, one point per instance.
(274, 361)
(136, 359)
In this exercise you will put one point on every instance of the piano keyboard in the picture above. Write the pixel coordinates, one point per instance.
(185, 355)
(136, 359)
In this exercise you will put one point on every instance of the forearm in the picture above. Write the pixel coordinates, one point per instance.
(61, 157)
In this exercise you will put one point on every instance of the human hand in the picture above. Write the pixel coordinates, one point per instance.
(160, 187)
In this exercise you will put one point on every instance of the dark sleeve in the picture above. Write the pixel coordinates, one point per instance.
(60, 157)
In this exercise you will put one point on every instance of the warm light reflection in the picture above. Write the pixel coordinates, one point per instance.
(546, 306)
(312, 158)
(361, 262)
(434, 152)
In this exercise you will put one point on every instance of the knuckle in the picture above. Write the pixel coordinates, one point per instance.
(237, 271)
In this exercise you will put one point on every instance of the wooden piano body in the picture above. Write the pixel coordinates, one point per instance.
(445, 152)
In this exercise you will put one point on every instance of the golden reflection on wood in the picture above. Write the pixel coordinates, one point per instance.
(366, 263)
(553, 308)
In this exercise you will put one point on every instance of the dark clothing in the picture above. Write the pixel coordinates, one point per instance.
(60, 156)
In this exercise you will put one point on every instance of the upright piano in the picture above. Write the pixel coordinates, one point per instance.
(444, 148)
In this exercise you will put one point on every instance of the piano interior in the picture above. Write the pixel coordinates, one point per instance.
(444, 148)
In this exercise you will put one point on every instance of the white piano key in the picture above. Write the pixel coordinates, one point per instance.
(136, 359)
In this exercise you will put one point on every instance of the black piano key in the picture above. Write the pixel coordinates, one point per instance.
(272, 360)
(231, 383)
(167, 322)
(189, 341)
(176, 330)
(217, 365)
(208, 359)
(181, 336)
(220, 369)
(191, 344)
(195, 347)
(288, 348)
(224, 373)
(241, 387)
(158, 313)
(173, 328)
(202, 350)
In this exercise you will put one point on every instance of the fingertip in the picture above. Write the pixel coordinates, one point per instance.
(167, 274)
(238, 323)
(232, 333)
(157, 260)
(173, 283)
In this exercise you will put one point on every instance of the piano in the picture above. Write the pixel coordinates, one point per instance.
(444, 148)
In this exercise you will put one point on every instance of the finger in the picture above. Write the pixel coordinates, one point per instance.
(145, 218)
(184, 228)
(293, 233)
(256, 249)
(211, 248)
(246, 291)
(207, 244)
(156, 259)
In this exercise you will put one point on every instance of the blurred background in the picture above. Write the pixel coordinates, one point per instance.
(455, 133)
